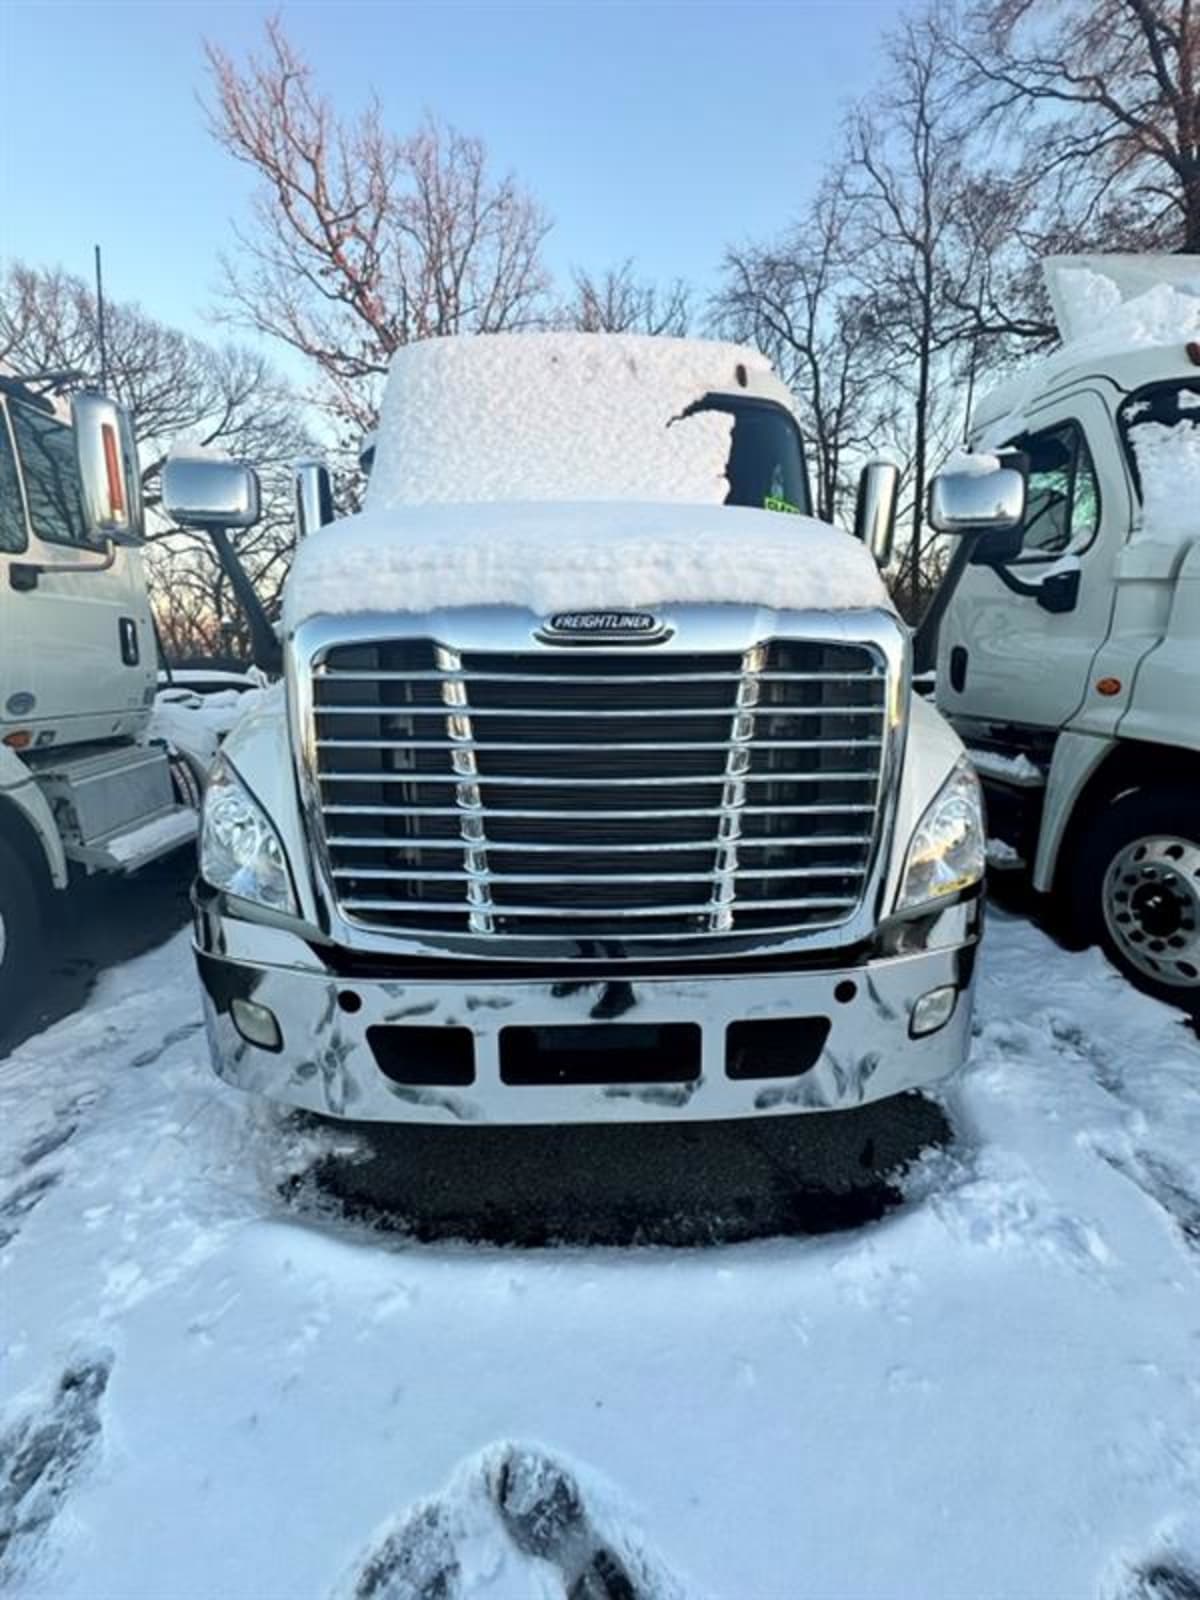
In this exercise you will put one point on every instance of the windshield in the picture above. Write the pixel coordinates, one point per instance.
(47, 451)
(766, 465)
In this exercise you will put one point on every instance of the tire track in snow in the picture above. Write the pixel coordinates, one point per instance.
(1156, 1176)
(1163, 1185)
(41, 1456)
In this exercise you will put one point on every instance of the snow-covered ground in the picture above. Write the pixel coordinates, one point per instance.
(993, 1392)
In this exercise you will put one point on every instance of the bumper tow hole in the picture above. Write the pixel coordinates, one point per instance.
(778, 1047)
(424, 1058)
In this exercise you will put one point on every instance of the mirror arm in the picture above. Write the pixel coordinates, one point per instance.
(24, 575)
(925, 635)
(264, 643)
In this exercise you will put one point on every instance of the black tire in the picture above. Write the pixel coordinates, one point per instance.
(1134, 888)
(185, 781)
(20, 933)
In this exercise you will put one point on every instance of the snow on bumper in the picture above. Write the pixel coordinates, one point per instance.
(547, 1050)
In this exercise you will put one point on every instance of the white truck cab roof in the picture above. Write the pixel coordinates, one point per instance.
(1131, 320)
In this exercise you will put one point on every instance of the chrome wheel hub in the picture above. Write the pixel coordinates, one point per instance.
(1151, 901)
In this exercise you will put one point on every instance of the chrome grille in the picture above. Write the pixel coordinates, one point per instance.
(599, 793)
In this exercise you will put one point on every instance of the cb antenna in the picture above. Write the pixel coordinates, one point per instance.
(100, 322)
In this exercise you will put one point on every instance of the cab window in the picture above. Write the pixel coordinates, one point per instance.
(1063, 506)
(12, 511)
(47, 452)
(1160, 406)
(766, 467)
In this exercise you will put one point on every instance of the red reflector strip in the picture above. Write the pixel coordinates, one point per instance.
(112, 463)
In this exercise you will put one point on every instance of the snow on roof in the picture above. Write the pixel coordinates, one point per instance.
(556, 472)
(1124, 301)
(557, 416)
(564, 557)
(1124, 312)
(194, 450)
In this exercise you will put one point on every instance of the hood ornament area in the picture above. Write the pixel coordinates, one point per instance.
(603, 627)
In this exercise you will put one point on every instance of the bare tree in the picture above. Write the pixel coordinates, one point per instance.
(904, 179)
(795, 302)
(1102, 100)
(617, 301)
(361, 240)
(175, 387)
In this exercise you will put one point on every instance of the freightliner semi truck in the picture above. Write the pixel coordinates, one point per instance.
(595, 789)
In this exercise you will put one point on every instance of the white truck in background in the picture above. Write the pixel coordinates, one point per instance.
(1068, 650)
(82, 788)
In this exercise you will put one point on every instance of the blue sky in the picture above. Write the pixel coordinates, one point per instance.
(661, 131)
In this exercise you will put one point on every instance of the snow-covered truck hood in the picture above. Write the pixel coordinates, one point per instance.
(565, 470)
(557, 557)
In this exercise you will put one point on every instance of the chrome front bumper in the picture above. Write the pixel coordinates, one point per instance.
(325, 1062)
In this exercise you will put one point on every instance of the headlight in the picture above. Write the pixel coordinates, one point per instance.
(239, 849)
(947, 850)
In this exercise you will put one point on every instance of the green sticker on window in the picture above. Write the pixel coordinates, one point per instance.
(772, 502)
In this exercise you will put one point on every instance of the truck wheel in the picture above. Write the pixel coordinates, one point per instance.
(20, 929)
(1137, 889)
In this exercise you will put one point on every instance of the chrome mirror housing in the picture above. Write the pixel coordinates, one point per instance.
(986, 496)
(313, 492)
(110, 479)
(875, 508)
(210, 492)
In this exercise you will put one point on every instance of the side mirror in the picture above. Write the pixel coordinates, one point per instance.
(110, 479)
(980, 497)
(313, 490)
(209, 492)
(875, 508)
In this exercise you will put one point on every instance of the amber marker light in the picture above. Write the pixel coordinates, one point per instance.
(112, 463)
(1108, 686)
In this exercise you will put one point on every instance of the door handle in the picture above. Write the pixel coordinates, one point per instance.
(130, 649)
(958, 668)
(1059, 591)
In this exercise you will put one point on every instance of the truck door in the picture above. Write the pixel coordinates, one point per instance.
(1017, 642)
(79, 660)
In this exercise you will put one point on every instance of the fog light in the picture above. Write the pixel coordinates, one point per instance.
(933, 1011)
(256, 1024)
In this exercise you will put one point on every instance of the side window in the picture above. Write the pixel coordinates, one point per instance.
(1063, 510)
(47, 453)
(12, 512)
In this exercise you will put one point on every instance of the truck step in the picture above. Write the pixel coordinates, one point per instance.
(127, 849)
(1018, 770)
(1001, 857)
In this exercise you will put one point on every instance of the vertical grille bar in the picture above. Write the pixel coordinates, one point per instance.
(733, 793)
(467, 793)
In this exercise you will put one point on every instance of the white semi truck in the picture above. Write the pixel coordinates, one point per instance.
(1068, 654)
(82, 790)
(596, 789)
